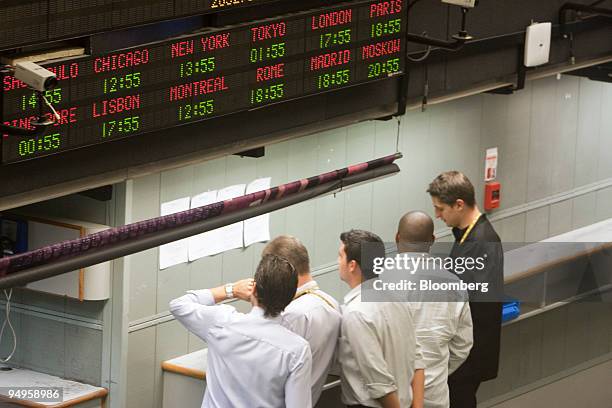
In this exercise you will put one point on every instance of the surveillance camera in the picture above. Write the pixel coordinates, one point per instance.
(462, 3)
(36, 77)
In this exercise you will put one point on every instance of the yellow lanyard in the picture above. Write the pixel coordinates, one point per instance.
(312, 292)
(467, 231)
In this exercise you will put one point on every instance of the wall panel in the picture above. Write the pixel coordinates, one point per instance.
(589, 130)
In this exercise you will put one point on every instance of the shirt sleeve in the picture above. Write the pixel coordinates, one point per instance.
(419, 359)
(298, 323)
(461, 343)
(298, 393)
(198, 313)
(361, 336)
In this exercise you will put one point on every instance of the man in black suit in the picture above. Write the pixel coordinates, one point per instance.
(454, 202)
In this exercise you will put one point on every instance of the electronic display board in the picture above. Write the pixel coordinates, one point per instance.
(147, 88)
(24, 22)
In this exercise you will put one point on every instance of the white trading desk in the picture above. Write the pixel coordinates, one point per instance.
(185, 380)
(537, 257)
(565, 268)
(75, 394)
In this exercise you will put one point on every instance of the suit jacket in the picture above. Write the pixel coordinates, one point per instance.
(486, 308)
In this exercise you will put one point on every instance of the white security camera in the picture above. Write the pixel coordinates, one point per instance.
(462, 3)
(36, 77)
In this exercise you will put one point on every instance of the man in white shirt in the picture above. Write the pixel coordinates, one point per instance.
(253, 362)
(313, 314)
(378, 351)
(444, 321)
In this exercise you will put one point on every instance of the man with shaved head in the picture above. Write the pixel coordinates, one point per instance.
(444, 328)
(313, 314)
(415, 232)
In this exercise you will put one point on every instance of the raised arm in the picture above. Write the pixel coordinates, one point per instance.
(198, 312)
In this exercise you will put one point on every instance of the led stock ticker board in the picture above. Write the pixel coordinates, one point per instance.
(130, 92)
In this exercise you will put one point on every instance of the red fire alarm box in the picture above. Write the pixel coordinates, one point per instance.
(492, 196)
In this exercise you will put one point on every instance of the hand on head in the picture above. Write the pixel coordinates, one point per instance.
(243, 289)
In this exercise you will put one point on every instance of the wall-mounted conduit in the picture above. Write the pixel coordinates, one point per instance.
(117, 242)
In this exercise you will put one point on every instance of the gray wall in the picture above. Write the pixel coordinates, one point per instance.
(59, 335)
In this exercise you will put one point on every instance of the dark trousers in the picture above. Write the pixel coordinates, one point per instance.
(463, 391)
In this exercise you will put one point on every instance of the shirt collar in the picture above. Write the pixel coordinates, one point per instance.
(356, 291)
(257, 311)
(307, 286)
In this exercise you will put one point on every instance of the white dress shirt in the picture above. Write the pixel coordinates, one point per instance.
(444, 330)
(378, 351)
(253, 362)
(316, 317)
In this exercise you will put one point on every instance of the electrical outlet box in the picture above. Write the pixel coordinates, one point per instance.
(537, 44)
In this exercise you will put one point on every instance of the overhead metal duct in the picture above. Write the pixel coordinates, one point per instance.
(114, 243)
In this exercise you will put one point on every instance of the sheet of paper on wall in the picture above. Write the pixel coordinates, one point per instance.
(207, 243)
(230, 236)
(176, 252)
(257, 229)
(491, 159)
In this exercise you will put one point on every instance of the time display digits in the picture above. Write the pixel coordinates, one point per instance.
(388, 67)
(196, 110)
(338, 38)
(267, 94)
(203, 66)
(271, 52)
(330, 80)
(390, 27)
(115, 84)
(123, 126)
(47, 143)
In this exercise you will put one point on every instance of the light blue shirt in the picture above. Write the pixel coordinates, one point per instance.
(253, 362)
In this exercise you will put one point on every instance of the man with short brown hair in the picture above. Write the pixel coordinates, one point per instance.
(313, 314)
(381, 360)
(252, 360)
(454, 202)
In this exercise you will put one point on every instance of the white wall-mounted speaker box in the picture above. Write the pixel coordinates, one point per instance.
(537, 44)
